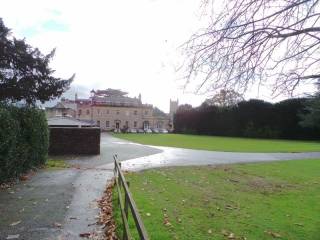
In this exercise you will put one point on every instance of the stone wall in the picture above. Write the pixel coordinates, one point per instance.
(68, 140)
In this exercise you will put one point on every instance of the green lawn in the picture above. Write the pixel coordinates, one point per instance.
(228, 144)
(244, 201)
(56, 164)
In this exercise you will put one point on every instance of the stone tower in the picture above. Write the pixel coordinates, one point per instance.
(173, 107)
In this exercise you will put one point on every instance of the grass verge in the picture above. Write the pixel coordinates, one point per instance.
(55, 164)
(243, 201)
(228, 144)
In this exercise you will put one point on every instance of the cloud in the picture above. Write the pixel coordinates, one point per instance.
(53, 25)
(123, 44)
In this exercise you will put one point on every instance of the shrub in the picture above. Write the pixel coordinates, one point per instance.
(24, 140)
(253, 118)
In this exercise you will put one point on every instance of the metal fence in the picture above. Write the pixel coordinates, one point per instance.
(126, 204)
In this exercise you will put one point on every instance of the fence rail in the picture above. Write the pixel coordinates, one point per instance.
(127, 204)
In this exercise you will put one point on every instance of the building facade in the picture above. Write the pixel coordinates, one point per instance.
(112, 109)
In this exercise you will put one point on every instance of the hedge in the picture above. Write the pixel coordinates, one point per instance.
(24, 140)
(253, 118)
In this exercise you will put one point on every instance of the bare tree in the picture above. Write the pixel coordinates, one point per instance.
(225, 98)
(257, 41)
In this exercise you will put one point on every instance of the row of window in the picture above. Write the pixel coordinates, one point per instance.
(135, 124)
(135, 112)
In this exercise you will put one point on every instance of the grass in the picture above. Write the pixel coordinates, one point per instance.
(55, 164)
(246, 201)
(228, 144)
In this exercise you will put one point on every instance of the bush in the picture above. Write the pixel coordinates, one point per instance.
(253, 118)
(24, 140)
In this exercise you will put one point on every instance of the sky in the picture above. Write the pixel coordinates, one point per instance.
(129, 45)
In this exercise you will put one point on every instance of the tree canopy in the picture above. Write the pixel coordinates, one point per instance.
(247, 42)
(311, 118)
(25, 73)
(225, 98)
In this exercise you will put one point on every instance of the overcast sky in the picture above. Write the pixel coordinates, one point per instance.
(123, 44)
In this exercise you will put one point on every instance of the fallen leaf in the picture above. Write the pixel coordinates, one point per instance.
(24, 178)
(299, 224)
(273, 234)
(57, 224)
(15, 223)
(86, 235)
(231, 236)
(210, 231)
(224, 232)
(148, 214)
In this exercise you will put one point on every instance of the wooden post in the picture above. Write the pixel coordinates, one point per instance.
(126, 207)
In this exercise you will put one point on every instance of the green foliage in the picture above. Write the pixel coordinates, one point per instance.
(158, 113)
(25, 73)
(228, 144)
(253, 118)
(262, 132)
(312, 118)
(24, 140)
(252, 201)
(56, 164)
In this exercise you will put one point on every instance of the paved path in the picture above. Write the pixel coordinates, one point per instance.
(68, 197)
(187, 157)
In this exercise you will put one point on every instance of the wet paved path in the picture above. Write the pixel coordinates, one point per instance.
(61, 204)
(68, 197)
(187, 157)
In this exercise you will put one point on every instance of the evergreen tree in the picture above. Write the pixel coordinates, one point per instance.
(25, 73)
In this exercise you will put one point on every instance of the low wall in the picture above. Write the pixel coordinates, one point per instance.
(68, 140)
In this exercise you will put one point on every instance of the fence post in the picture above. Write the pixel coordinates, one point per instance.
(126, 207)
(126, 202)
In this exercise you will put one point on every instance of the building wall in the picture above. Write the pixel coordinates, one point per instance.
(70, 140)
(53, 112)
(132, 117)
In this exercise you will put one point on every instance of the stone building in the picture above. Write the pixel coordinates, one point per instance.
(62, 109)
(112, 109)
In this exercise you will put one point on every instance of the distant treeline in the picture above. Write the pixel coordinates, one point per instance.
(253, 118)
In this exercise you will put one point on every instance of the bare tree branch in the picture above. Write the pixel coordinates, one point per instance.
(257, 41)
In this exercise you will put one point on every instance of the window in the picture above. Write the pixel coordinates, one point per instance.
(118, 112)
(127, 124)
(98, 123)
(135, 112)
(88, 111)
(107, 124)
(79, 112)
(135, 124)
(145, 112)
(107, 111)
(98, 111)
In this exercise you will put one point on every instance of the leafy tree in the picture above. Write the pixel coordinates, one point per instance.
(251, 42)
(25, 73)
(158, 112)
(184, 107)
(225, 98)
(312, 118)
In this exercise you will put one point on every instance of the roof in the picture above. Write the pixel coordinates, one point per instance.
(67, 121)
